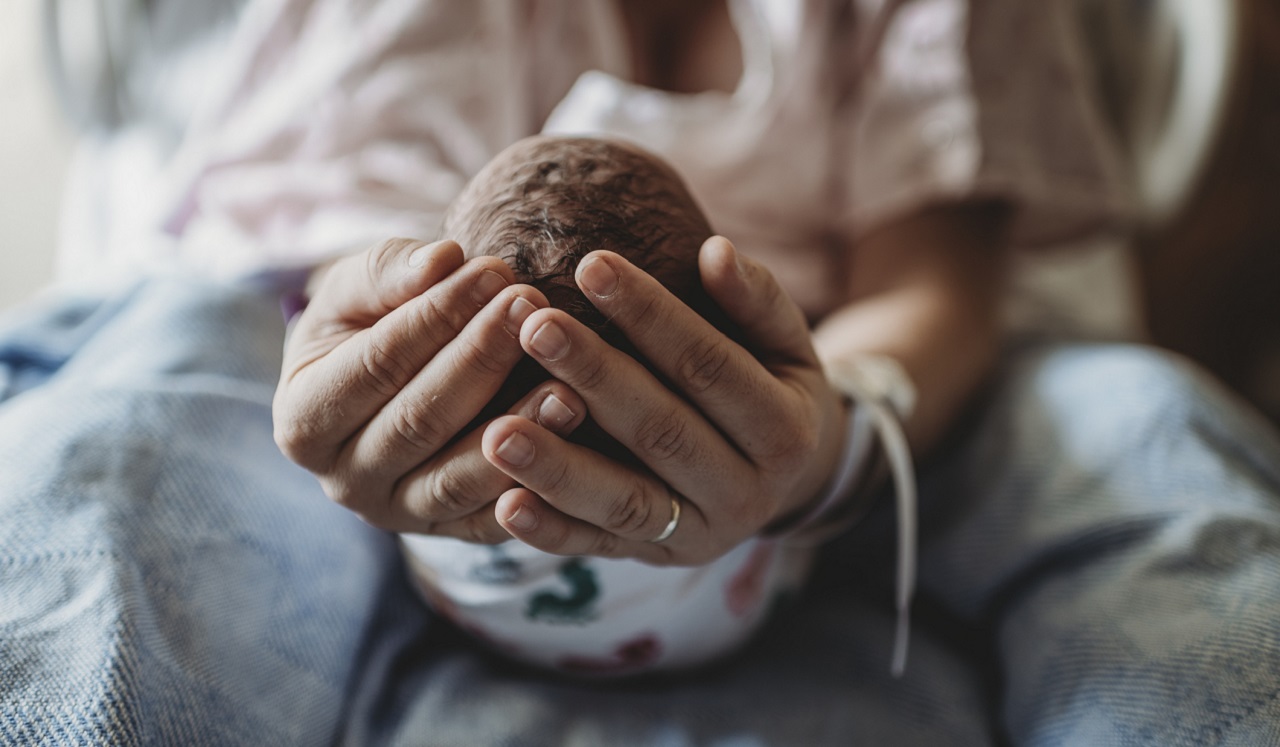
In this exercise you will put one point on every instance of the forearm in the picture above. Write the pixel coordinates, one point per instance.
(927, 291)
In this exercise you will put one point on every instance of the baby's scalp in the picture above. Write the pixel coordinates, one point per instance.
(546, 202)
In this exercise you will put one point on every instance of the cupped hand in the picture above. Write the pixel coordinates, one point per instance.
(399, 350)
(742, 435)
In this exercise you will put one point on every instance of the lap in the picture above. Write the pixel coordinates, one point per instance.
(202, 590)
(168, 577)
(1113, 518)
(819, 675)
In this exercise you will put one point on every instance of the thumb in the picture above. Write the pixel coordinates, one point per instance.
(772, 324)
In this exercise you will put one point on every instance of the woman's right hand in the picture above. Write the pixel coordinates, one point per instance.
(399, 349)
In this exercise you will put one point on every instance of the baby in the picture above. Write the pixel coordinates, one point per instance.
(542, 205)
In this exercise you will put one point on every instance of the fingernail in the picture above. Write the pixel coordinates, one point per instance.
(517, 450)
(554, 414)
(519, 310)
(523, 519)
(488, 285)
(550, 342)
(598, 277)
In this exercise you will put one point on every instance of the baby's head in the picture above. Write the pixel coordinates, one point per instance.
(546, 202)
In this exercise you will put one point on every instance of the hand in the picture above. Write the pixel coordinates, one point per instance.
(754, 437)
(399, 350)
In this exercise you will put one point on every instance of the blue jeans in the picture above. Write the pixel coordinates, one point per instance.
(1100, 565)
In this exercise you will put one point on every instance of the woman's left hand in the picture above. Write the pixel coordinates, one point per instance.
(753, 439)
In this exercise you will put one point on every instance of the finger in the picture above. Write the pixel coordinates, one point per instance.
(663, 430)
(460, 482)
(772, 324)
(359, 289)
(433, 407)
(365, 287)
(585, 485)
(524, 515)
(716, 373)
(324, 403)
(478, 528)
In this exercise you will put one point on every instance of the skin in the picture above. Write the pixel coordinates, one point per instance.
(576, 194)
(403, 344)
(386, 336)
(389, 361)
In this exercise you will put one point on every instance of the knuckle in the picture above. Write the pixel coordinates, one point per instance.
(359, 497)
(414, 424)
(592, 374)
(451, 494)
(481, 358)
(380, 520)
(290, 438)
(437, 321)
(605, 545)
(647, 312)
(559, 479)
(297, 442)
(556, 538)
(383, 256)
(384, 372)
(630, 514)
(664, 436)
(703, 364)
(342, 493)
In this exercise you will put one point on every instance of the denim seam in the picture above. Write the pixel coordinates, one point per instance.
(14, 560)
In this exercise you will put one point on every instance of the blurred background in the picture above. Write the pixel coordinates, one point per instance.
(35, 149)
(1191, 86)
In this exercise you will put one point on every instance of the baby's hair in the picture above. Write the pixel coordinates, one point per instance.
(546, 202)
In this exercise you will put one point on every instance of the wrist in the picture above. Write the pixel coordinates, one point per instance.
(880, 385)
(853, 456)
(850, 448)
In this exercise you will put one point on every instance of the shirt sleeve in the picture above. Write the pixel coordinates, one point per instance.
(981, 99)
(344, 122)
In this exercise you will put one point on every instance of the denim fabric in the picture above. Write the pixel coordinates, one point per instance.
(1100, 566)
(152, 540)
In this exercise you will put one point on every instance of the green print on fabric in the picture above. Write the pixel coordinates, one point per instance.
(574, 607)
